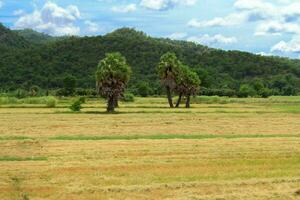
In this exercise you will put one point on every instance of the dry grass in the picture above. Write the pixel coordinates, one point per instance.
(240, 168)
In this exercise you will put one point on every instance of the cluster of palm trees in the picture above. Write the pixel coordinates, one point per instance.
(113, 74)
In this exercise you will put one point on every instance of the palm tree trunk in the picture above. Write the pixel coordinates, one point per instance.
(110, 104)
(179, 101)
(169, 94)
(116, 102)
(188, 102)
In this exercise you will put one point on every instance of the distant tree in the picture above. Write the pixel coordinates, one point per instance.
(112, 76)
(168, 70)
(34, 90)
(188, 83)
(247, 90)
(69, 85)
(143, 89)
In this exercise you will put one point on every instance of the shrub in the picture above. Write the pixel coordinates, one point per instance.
(247, 90)
(265, 92)
(51, 102)
(19, 93)
(209, 100)
(217, 92)
(76, 106)
(143, 89)
(82, 99)
(8, 100)
(85, 92)
(34, 91)
(128, 97)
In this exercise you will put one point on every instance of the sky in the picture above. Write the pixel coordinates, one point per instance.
(266, 27)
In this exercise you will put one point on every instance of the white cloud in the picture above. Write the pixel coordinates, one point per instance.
(292, 46)
(212, 40)
(277, 28)
(18, 12)
(125, 9)
(263, 54)
(276, 18)
(51, 19)
(92, 27)
(230, 20)
(165, 4)
(177, 36)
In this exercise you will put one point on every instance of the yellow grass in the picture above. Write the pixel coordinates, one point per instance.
(237, 167)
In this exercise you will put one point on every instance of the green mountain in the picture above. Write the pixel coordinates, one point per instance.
(35, 37)
(10, 39)
(47, 64)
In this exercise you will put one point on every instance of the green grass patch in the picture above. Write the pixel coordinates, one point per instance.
(168, 137)
(16, 138)
(13, 158)
(48, 101)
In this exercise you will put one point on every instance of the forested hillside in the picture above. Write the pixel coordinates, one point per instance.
(45, 64)
(11, 39)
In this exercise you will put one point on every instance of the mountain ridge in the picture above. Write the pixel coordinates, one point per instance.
(46, 64)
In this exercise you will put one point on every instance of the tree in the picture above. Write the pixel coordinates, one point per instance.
(69, 85)
(168, 70)
(247, 90)
(188, 83)
(34, 90)
(143, 89)
(112, 76)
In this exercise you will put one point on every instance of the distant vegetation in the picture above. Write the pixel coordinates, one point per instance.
(30, 59)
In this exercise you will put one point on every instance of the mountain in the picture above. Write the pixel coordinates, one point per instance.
(48, 63)
(35, 37)
(10, 39)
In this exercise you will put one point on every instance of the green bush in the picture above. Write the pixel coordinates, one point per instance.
(247, 90)
(128, 97)
(8, 100)
(51, 102)
(143, 89)
(209, 100)
(76, 106)
(265, 92)
(82, 99)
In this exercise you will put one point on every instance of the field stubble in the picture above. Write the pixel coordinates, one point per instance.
(54, 154)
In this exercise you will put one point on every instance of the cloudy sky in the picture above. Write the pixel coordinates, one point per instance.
(259, 26)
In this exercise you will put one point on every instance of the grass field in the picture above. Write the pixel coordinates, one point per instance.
(220, 149)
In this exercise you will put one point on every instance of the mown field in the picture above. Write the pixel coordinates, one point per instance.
(221, 148)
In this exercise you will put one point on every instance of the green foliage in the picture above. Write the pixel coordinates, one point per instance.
(11, 39)
(143, 89)
(187, 81)
(82, 99)
(34, 91)
(113, 68)
(223, 92)
(168, 69)
(112, 76)
(76, 105)
(23, 65)
(36, 37)
(69, 85)
(247, 91)
(128, 97)
(21, 93)
(85, 92)
(8, 100)
(51, 102)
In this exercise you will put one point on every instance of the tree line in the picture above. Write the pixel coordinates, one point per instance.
(47, 64)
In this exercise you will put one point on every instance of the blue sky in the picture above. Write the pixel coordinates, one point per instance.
(259, 26)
